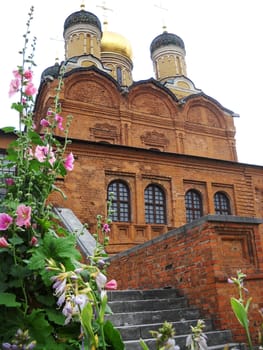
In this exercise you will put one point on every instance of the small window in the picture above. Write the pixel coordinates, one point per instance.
(222, 204)
(120, 194)
(155, 207)
(119, 75)
(193, 205)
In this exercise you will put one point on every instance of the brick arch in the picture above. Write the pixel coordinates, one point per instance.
(89, 87)
(154, 101)
(205, 113)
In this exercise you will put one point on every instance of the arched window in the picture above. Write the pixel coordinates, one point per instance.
(193, 205)
(120, 194)
(222, 204)
(155, 206)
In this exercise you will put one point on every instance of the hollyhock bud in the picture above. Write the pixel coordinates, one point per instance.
(9, 181)
(34, 241)
(28, 74)
(112, 284)
(3, 243)
(59, 121)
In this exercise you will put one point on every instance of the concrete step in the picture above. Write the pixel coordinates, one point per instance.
(134, 294)
(143, 331)
(158, 316)
(137, 312)
(147, 304)
(135, 345)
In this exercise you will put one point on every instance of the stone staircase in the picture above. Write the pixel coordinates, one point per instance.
(136, 312)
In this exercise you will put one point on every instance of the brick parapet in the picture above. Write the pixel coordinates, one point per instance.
(197, 259)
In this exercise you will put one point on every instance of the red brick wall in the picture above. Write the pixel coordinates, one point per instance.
(197, 259)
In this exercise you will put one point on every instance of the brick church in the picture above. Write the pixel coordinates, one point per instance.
(184, 207)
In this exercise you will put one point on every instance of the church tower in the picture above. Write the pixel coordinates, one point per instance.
(82, 34)
(116, 55)
(168, 56)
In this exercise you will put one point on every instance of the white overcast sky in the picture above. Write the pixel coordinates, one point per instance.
(223, 40)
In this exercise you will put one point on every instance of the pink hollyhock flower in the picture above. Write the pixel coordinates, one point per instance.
(45, 123)
(16, 74)
(3, 243)
(9, 181)
(69, 162)
(30, 89)
(59, 120)
(28, 74)
(14, 87)
(5, 221)
(106, 228)
(23, 215)
(112, 284)
(42, 153)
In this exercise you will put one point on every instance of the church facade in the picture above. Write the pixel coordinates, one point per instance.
(162, 149)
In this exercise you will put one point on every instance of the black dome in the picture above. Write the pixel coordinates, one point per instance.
(82, 16)
(165, 39)
(52, 71)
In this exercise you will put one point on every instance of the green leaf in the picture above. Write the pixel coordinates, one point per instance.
(12, 154)
(17, 106)
(86, 321)
(36, 322)
(113, 337)
(35, 138)
(248, 304)
(143, 345)
(9, 300)
(16, 240)
(61, 170)
(240, 312)
(19, 272)
(55, 316)
(8, 129)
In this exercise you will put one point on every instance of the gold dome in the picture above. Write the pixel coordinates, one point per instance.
(114, 42)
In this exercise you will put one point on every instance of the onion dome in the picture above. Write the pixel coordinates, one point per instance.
(116, 43)
(166, 39)
(51, 72)
(82, 17)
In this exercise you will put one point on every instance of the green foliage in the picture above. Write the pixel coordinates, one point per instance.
(112, 337)
(239, 306)
(9, 300)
